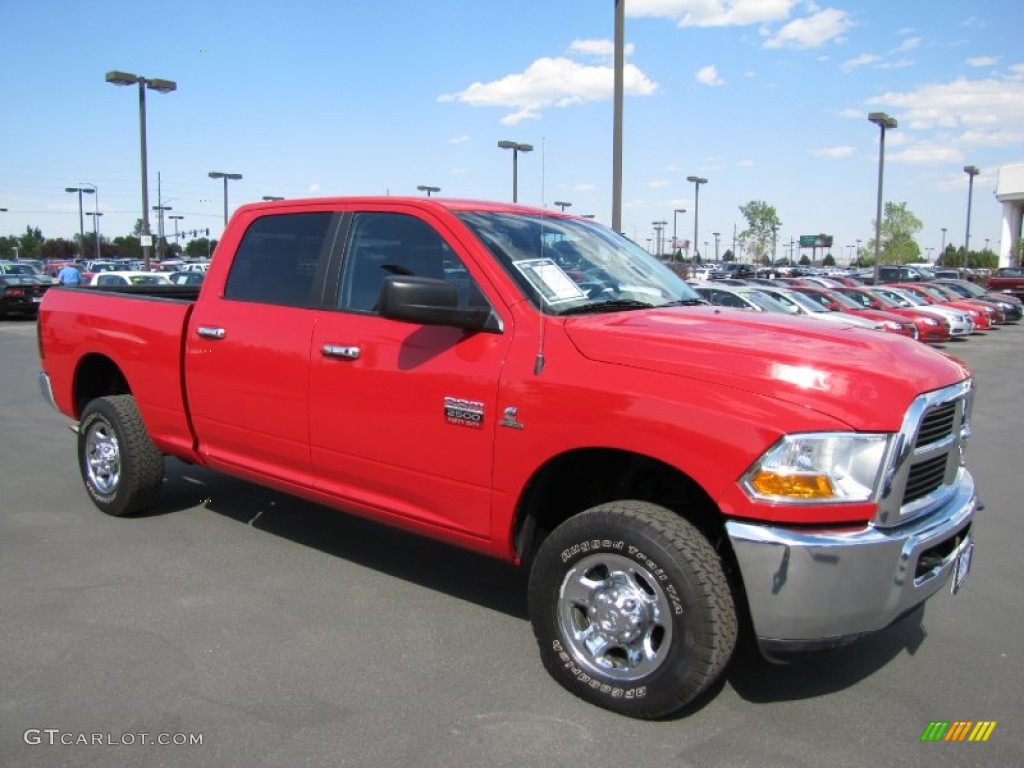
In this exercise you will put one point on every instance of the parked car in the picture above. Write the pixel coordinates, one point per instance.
(930, 329)
(20, 295)
(739, 297)
(129, 278)
(1012, 306)
(1007, 280)
(799, 304)
(27, 270)
(993, 309)
(839, 303)
(187, 278)
(982, 320)
(960, 321)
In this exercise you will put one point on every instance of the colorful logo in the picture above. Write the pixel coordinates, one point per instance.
(958, 730)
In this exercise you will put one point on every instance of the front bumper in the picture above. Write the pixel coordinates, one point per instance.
(819, 589)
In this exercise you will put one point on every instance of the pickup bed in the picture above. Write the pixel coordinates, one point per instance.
(535, 387)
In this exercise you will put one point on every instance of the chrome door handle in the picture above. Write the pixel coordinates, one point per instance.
(211, 333)
(337, 350)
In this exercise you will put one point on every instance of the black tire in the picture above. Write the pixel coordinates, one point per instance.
(631, 609)
(121, 467)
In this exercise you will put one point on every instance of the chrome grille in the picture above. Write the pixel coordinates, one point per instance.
(926, 462)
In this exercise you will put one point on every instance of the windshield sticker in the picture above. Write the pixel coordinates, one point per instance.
(550, 279)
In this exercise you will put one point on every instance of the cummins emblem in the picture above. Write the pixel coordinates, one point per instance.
(511, 418)
(464, 413)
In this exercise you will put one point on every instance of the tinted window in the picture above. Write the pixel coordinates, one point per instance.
(278, 258)
(384, 244)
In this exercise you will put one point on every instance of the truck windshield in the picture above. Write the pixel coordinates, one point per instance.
(569, 266)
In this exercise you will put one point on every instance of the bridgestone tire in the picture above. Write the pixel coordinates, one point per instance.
(631, 609)
(121, 467)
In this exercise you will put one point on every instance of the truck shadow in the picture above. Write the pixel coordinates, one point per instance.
(457, 572)
(502, 587)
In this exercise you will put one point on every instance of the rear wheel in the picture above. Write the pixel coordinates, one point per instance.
(121, 467)
(632, 609)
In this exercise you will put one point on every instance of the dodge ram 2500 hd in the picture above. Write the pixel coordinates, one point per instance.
(536, 387)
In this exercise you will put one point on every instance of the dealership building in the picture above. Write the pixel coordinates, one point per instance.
(1010, 192)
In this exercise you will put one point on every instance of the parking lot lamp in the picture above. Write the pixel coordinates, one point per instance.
(96, 230)
(428, 189)
(563, 205)
(883, 121)
(971, 171)
(516, 149)
(160, 86)
(226, 177)
(81, 216)
(675, 215)
(697, 181)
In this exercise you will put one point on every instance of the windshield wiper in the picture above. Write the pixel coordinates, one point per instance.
(685, 303)
(604, 306)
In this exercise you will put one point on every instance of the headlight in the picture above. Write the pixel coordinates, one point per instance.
(820, 467)
(931, 322)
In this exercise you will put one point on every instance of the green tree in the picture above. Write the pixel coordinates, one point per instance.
(899, 225)
(30, 243)
(763, 223)
(828, 261)
(200, 247)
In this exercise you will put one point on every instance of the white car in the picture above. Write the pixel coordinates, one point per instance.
(960, 323)
(128, 278)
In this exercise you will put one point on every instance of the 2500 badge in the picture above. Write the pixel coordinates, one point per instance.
(465, 413)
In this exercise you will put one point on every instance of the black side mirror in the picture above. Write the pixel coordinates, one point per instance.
(429, 301)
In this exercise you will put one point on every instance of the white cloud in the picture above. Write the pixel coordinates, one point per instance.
(910, 44)
(458, 171)
(550, 82)
(844, 151)
(657, 184)
(812, 31)
(583, 187)
(962, 103)
(927, 153)
(713, 13)
(459, 139)
(314, 188)
(864, 60)
(982, 61)
(599, 48)
(709, 76)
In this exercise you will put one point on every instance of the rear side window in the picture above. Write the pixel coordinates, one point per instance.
(277, 260)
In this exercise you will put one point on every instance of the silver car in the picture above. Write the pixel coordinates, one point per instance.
(960, 323)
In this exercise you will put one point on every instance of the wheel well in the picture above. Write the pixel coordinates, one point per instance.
(575, 481)
(97, 376)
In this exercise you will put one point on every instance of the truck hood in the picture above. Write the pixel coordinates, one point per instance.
(864, 378)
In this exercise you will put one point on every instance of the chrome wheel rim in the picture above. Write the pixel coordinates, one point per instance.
(102, 458)
(615, 617)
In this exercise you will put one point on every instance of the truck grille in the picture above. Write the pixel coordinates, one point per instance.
(926, 462)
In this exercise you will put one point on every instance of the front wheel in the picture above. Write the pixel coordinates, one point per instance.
(121, 467)
(632, 609)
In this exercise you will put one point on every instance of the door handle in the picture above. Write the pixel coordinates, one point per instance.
(211, 333)
(340, 351)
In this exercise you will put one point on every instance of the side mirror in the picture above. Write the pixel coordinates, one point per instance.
(429, 301)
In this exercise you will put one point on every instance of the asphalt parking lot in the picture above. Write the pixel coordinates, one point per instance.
(286, 634)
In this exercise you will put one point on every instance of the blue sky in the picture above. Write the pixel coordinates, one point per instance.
(768, 99)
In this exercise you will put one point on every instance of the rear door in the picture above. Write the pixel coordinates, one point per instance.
(247, 350)
(403, 415)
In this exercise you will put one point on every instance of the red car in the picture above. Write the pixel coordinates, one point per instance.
(982, 320)
(835, 301)
(930, 329)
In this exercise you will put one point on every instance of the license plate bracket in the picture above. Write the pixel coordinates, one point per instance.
(962, 566)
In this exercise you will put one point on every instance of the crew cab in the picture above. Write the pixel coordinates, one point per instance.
(668, 471)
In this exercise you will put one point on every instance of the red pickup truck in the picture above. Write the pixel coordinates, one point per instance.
(536, 387)
(1007, 280)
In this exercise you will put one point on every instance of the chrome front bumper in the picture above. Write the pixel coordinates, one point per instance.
(809, 589)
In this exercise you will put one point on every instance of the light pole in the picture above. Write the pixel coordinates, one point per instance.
(659, 228)
(160, 239)
(516, 149)
(883, 121)
(176, 218)
(160, 86)
(226, 177)
(96, 230)
(717, 235)
(697, 181)
(563, 205)
(81, 216)
(971, 171)
(428, 189)
(675, 215)
(618, 88)
(942, 250)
